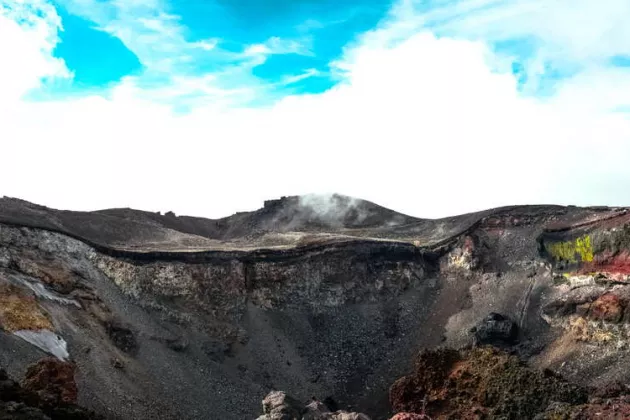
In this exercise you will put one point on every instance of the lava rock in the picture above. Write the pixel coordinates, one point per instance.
(52, 381)
(497, 330)
(481, 383)
(48, 392)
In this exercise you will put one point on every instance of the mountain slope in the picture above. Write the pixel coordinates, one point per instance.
(177, 317)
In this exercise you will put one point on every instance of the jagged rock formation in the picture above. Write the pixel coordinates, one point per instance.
(170, 317)
(277, 405)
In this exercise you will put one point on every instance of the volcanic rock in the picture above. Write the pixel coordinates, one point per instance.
(278, 406)
(48, 393)
(52, 381)
(497, 330)
(316, 295)
(481, 382)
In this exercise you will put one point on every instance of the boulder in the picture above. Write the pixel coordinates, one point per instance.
(279, 406)
(496, 329)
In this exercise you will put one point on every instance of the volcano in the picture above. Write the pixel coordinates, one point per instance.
(128, 314)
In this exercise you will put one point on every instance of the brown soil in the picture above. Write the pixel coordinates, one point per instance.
(19, 311)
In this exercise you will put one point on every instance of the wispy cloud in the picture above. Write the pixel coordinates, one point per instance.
(289, 80)
(177, 68)
(428, 116)
(29, 34)
(568, 35)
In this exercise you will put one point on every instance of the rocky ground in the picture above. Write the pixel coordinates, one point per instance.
(165, 316)
(477, 383)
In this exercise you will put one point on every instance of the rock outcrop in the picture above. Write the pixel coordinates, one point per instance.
(278, 406)
(52, 381)
(48, 392)
(480, 383)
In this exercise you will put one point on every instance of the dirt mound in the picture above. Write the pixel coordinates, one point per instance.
(482, 382)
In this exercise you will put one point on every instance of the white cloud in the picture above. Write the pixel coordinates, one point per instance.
(569, 34)
(425, 125)
(257, 49)
(25, 50)
(206, 44)
(289, 80)
(172, 62)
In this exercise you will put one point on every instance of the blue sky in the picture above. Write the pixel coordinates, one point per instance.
(300, 39)
(292, 43)
(95, 57)
(222, 104)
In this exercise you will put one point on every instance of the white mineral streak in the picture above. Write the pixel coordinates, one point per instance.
(47, 341)
(40, 291)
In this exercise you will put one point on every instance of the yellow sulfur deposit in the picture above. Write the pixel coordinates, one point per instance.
(570, 250)
(19, 311)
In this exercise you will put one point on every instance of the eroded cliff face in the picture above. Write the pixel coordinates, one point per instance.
(165, 323)
(590, 294)
(321, 322)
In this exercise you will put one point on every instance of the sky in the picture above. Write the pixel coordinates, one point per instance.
(206, 108)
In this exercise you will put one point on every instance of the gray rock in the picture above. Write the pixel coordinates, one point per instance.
(496, 329)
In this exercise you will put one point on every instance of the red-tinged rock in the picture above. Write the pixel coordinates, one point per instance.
(52, 381)
(477, 384)
(607, 307)
(612, 264)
